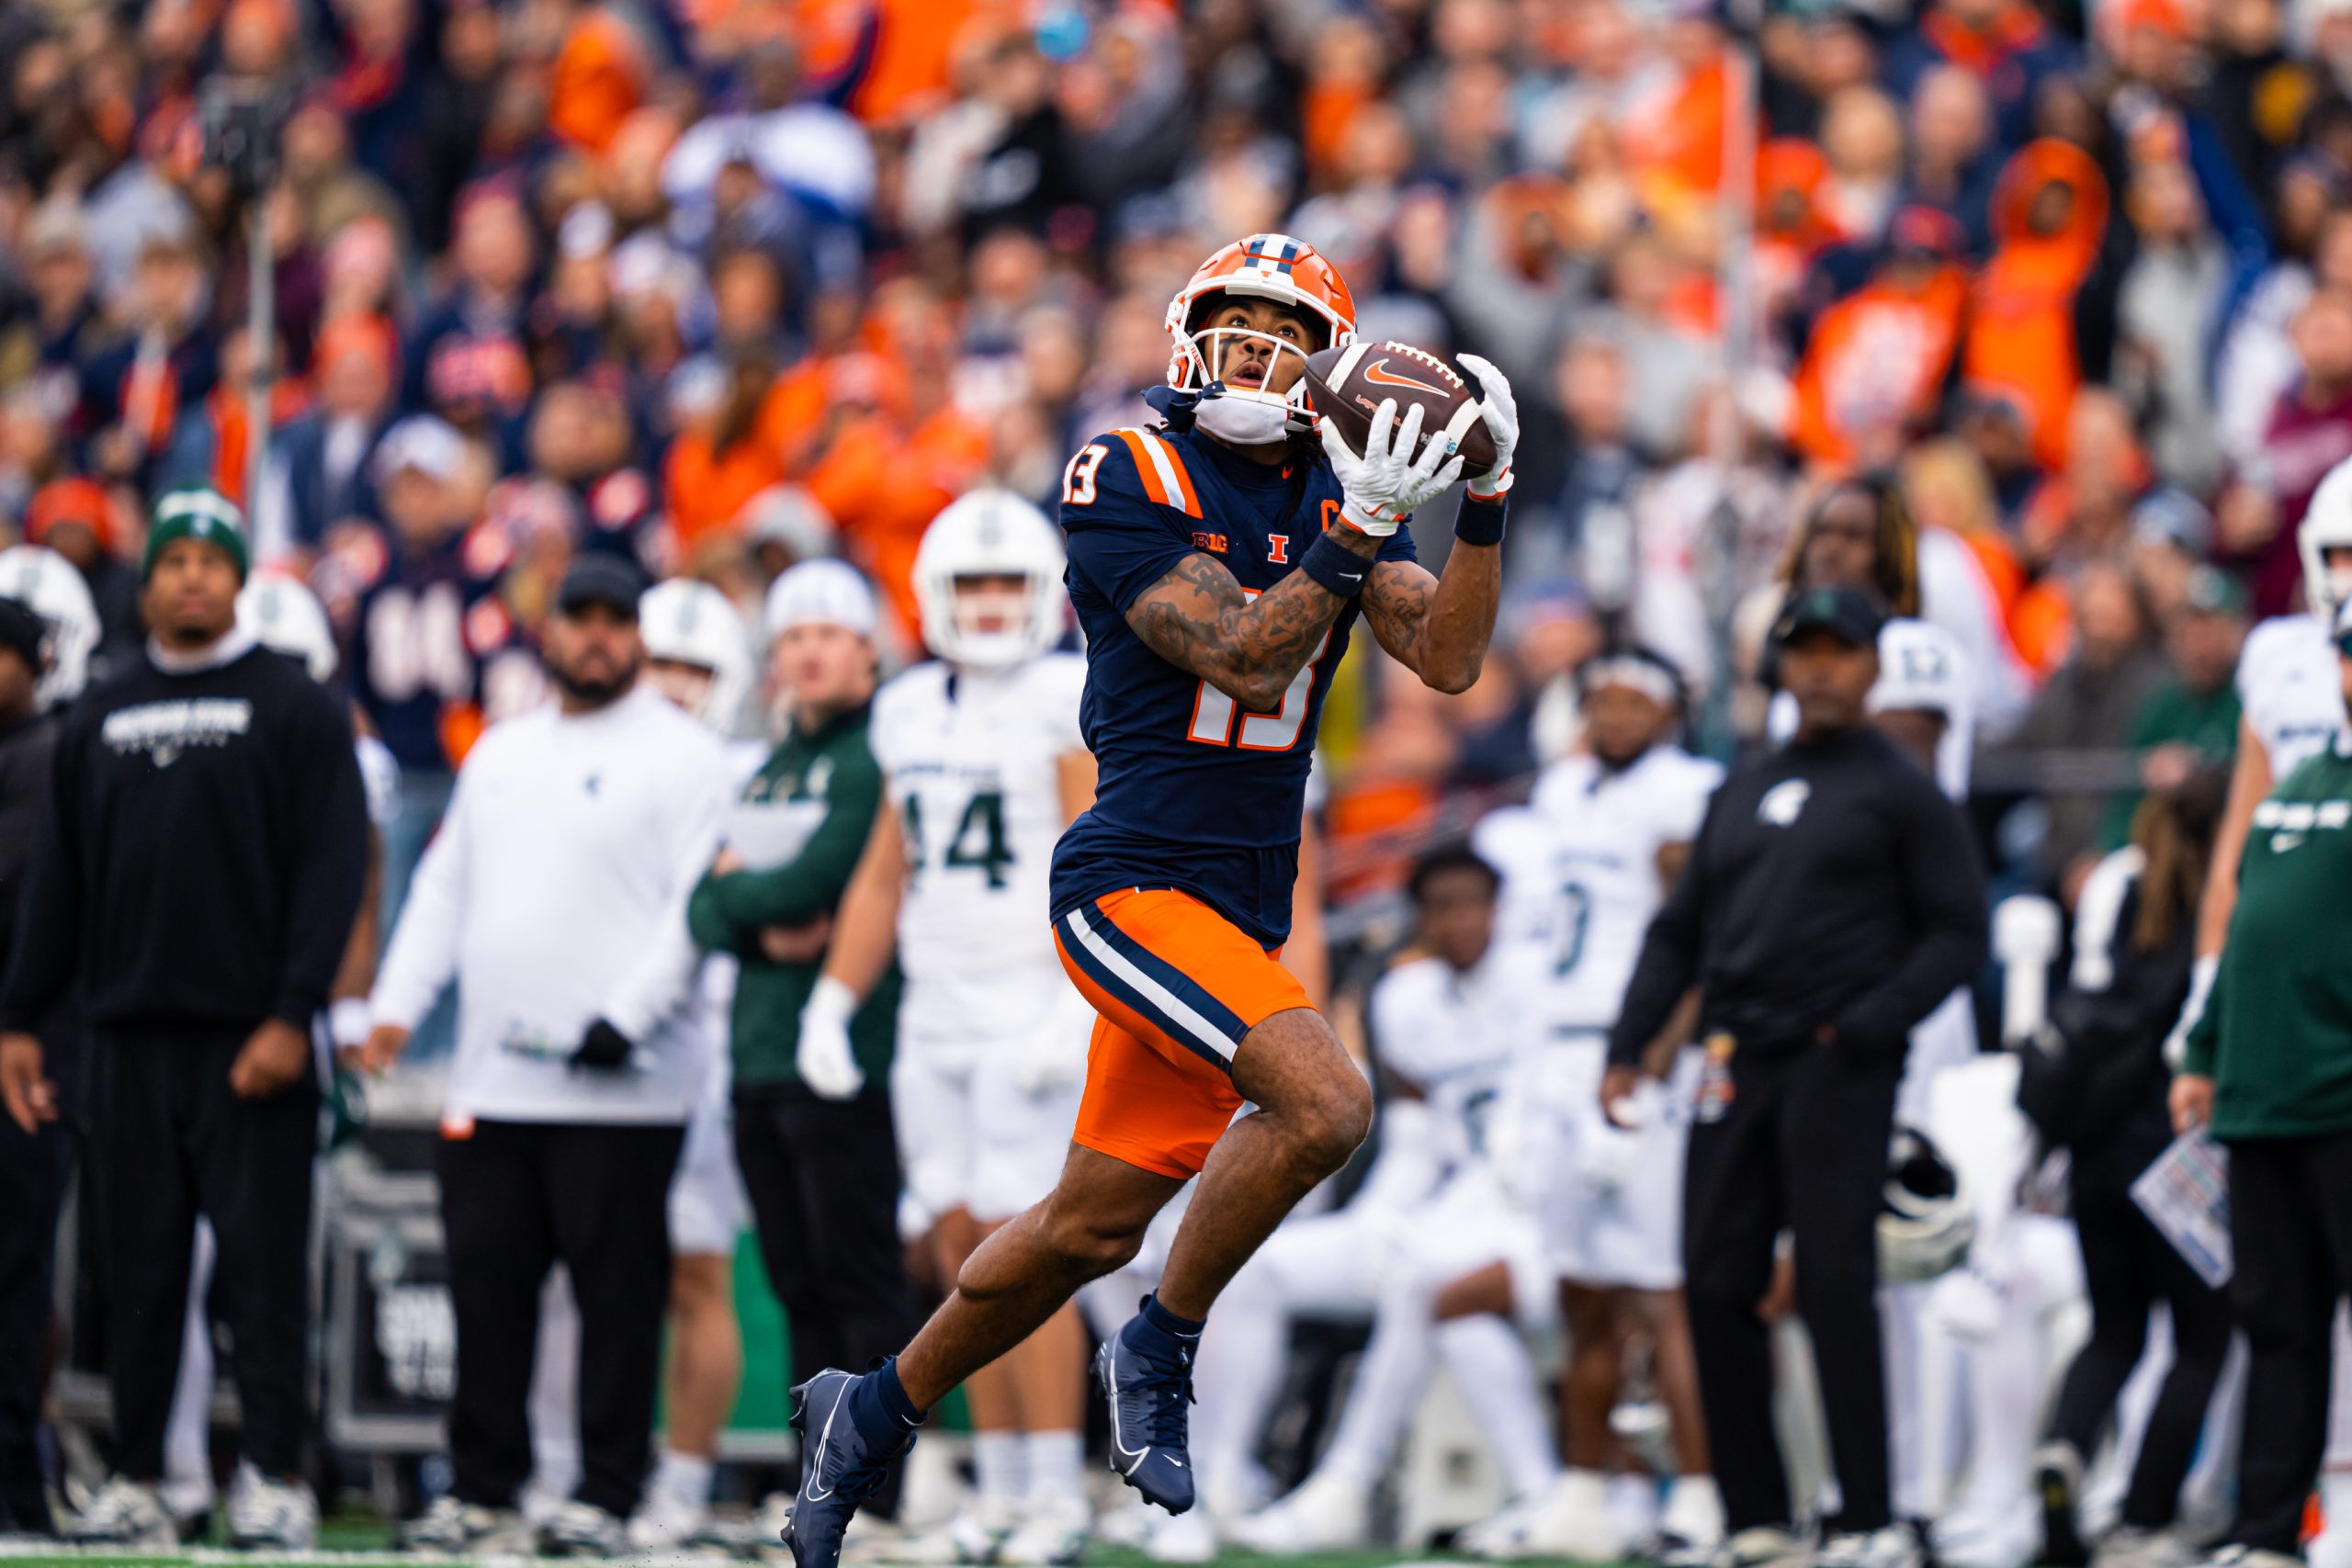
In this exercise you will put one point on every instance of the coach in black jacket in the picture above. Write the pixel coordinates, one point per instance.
(199, 875)
(1832, 899)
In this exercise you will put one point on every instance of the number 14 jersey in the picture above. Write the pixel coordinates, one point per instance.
(971, 762)
(1195, 795)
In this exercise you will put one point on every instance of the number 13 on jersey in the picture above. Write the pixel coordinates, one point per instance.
(1214, 712)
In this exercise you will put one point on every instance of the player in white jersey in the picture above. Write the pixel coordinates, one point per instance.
(2292, 706)
(1588, 864)
(1447, 1031)
(983, 766)
(698, 654)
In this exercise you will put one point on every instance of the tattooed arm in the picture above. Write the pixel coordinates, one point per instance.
(1437, 626)
(1198, 619)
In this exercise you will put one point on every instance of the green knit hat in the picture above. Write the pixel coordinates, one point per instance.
(197, 512)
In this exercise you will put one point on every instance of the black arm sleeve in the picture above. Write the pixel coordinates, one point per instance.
(330, 864)
(49, 915)
(1945, 888)
(1669, 960)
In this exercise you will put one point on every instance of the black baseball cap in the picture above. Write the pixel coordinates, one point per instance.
(600, 578)
(1850, 614)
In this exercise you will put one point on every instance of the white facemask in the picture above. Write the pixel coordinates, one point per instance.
(1245, 422)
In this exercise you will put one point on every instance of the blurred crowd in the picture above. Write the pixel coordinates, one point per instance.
(720, 284)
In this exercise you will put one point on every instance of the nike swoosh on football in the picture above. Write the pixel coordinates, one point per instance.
(1379, 374)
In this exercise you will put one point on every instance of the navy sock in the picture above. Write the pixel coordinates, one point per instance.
(880, 1407)
(1168, 1323)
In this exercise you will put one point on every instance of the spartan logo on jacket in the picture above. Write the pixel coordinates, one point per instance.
(165, 730)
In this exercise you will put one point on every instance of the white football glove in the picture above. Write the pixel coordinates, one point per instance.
(2201, 975)
(1054, 1056)
(1381, 488)
(825, 1062)
(1501, 413)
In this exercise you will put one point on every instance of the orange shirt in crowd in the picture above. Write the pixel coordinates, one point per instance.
(2022, 327)
(706, 490)
(597, 80)
(1876, 363)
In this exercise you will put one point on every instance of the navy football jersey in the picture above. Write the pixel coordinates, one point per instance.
(1195, 793)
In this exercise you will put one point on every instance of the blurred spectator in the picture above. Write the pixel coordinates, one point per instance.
(2091, 702)
(2050, 216)
(166, 359)
(81, 521)
(2006, 44)
(320, 478)
(2309, 433)
(2167, 311)
(2189, 722)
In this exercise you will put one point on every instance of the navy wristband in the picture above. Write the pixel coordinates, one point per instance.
(1335, 566)
(1481, 522)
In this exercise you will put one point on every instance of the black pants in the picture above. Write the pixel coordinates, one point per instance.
(2127, 1267)
(32, 1184)
(516, 1199)
(1802, 1147)
(2290, 1231)
(171, 1140)
(823, 1180)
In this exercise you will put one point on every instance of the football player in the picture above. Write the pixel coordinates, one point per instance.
(1447, 1025)
(1589, 860)
(983, 765)
(698, 655)
(1218, 566)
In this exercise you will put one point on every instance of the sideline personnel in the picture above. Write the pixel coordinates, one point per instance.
(202, 865)
(1832, 899)
(2269, 1072)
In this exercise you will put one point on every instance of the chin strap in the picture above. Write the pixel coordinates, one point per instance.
(1178, 406)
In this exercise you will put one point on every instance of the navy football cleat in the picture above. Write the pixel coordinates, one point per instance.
(841, 1467)
(1146, 1374)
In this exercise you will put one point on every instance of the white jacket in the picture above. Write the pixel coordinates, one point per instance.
(555, 894)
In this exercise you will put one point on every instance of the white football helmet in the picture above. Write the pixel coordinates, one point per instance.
(684, 621)
(48, 584)
(1925, 1223)
(285, 616)
(990, 533)
(2327, 525)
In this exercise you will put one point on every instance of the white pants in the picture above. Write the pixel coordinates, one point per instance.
(1611, 1205)
(707, 1201)
(972, 1137)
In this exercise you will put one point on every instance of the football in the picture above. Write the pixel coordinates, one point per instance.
(1347, 385)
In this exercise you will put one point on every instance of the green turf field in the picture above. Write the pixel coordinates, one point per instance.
(358, 1557)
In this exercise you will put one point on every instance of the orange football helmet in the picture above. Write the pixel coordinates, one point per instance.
(1264, 267)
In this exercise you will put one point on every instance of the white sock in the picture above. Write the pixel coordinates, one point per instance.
(1237, 1374)
(1389, 1381)
(1000, 1463)
(1492, 1368)
(1632, 1503)
(686, 1477)
(1056, 1467)
(2007, 1378)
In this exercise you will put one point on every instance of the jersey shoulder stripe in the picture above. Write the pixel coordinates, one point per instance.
(1163, 471)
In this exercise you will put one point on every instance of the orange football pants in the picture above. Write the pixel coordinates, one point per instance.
(1177, 987)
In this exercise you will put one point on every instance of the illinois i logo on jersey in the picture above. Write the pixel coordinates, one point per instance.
(1783, 803)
